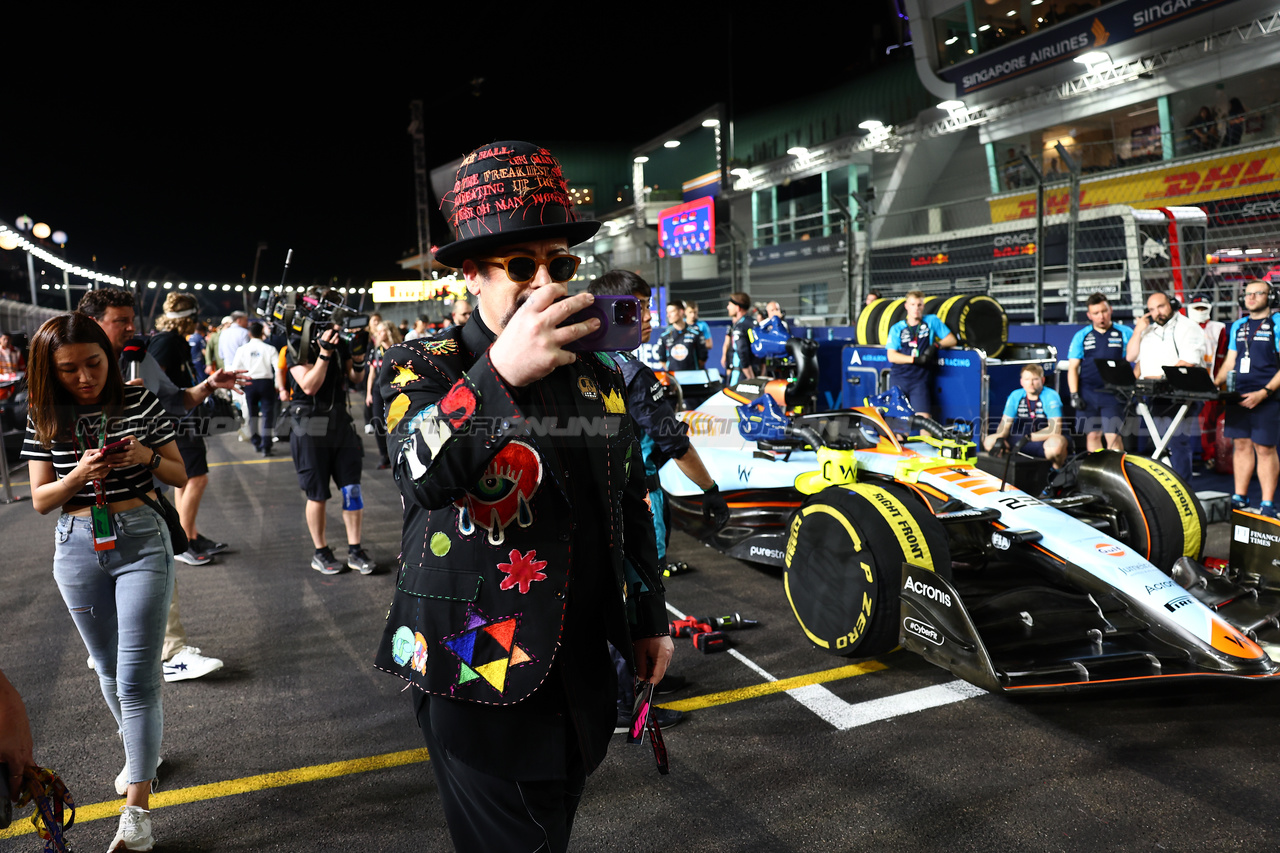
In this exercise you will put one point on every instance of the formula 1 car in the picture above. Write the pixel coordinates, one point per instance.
(888, 541)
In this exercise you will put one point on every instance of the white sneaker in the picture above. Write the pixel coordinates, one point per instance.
(90, 662)
(122, 781)
(368, 429)
(134, 832)
(189, 663)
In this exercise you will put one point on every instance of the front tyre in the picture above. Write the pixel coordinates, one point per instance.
(1163, 518)
(845, 550)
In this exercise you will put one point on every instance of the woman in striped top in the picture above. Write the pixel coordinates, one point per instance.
(113, 559)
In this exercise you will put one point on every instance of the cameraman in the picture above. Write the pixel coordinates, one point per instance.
(324, 442)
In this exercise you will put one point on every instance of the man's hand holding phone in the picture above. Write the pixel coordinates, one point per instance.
(532, 344)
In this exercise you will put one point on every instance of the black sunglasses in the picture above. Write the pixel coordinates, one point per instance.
(522, 268)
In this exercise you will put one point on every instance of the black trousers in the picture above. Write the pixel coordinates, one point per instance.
(489, 814)
(260, 398)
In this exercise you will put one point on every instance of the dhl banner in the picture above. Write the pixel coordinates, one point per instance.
(1185, 183)
(417, 291)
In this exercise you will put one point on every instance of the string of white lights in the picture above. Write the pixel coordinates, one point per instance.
(11, 238)
(21, 242)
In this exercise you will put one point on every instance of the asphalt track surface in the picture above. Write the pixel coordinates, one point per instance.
(299, 744)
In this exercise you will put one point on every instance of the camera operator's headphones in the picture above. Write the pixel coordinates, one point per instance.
(1273, 298)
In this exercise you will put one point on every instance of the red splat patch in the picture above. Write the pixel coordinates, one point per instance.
(459, 404)
(522, 571)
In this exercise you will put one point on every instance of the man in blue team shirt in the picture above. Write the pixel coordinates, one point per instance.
(681, 345)
(912, 346)
(1099, 411)
(737, 343)
(691, 317)
(1034, 411)
(1253, 424)
(663, 436)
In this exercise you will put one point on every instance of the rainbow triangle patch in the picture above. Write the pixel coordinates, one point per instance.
(486, 649)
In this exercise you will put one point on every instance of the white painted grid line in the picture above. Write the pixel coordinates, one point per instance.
(842, 715)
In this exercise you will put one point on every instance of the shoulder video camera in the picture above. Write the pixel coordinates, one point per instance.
(302, 320)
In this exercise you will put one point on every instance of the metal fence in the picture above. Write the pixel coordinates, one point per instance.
(1042, 248)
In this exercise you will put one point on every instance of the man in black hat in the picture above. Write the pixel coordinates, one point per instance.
(528, 545)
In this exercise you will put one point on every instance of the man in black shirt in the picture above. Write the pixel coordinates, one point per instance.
(170, 349)
(323, 440)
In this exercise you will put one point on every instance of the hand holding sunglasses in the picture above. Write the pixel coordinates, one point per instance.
(642, 721)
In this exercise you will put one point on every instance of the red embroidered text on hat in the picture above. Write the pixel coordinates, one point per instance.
(507, 192)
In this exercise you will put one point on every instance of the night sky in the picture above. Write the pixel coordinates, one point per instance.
(174, 154)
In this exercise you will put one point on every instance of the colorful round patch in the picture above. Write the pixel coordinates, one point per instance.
(440, 544)
(402, 645)
(420, 654)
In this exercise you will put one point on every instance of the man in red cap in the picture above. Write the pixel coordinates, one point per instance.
(528, 546)
(1200, 309)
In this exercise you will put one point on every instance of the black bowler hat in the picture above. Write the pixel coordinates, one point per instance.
(507, 192)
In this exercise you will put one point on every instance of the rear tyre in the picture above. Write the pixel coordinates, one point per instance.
(978, 321)
(845, 551)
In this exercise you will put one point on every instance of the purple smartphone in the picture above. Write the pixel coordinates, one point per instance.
(619, 330)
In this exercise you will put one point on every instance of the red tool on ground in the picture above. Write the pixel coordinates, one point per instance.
(707, 633)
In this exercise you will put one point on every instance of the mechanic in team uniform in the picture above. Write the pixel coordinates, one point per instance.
(1098, 411)
(912, 346)
(737, 342)
(1253, 424)
(663, 436)
(681, 345)
(1036, 412)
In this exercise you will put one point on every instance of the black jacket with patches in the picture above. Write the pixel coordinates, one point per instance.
(488, 572)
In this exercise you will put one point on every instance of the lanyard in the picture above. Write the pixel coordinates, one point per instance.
(99, 492)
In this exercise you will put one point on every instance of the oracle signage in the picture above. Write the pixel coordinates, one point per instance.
(1014, 245)
(924, 256)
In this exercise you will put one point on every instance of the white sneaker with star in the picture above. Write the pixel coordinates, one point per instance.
(189, 663)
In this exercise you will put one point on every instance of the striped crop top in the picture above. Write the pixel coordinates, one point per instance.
(143, 418)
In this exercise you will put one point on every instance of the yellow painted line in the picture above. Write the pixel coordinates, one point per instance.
(262, 782)
(771, 687)
(316, 772)
(285, 458)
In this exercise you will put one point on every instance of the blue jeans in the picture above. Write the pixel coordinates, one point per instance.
(119, 600)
